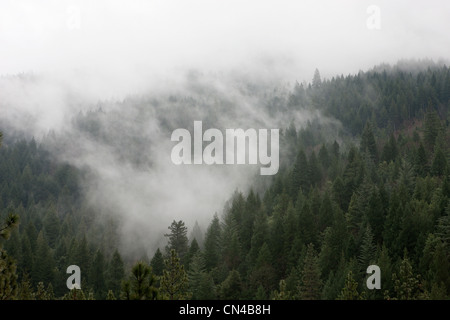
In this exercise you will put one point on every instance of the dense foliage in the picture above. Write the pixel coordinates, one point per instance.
(334, 208)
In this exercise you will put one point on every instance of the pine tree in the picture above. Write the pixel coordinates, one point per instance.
(157, 263)
(311, 284)
(193, 250)
(178, 239)
(324, 157)
(300, 174)
(174, 282)
(314, 174)
(368, 249)
(44, 265)
(317, 81)
(75, 294)
(231, 287)
(41, 292)
(110, 295)
(25, 291)
(230, 242)
(212, 244)
(350, 290)
(115, 273)
(142, 282)
(8, 277)
(283, 294)
(407, 286)
(439, 164)
(195, 275)
(432, 126)
(51, 228)
(420, 161)
(197, 234)
(97, 275)
(368, 143)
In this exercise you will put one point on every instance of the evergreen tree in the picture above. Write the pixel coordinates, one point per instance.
(75, 294)
(115, 273)
(212, 244)
(25, 290)
(174, 282)
(196, 276)
(110, 295)
(368, 143)
(439, 165)
(193, 250)
(283, 294)
(350, 290)
(311, 284)
(231, 288)
(51, 223)
(157, 263)
(368, 249)
(314, 173)
(300, 174)
(97, 275)
(142, 281)
(432, 126)
(8, 277)
(316, 82)
(44, 265)
(407, 286)
(178, 240)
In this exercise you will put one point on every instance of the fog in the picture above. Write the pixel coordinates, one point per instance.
(60, 58)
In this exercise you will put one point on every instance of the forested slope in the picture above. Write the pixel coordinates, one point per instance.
(378, 193)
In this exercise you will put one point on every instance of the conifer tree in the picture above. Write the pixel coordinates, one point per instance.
(231, 287)
(407, 286)
(350, 290)
(43, 267)
(25, 291)
(110, 295)
(142, 281)
(178, 239)
(212, 244)
(193, 250)
(432, 126)
(282, 294)
(97, 275)
(115, 273)
(195, 275)
(310, 286)
(368, 143)
(368, 249)
(75, 294)
(174, 281)
(157, 263)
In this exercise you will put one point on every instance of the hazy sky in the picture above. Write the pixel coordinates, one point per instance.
(120, 43)
(89, 50)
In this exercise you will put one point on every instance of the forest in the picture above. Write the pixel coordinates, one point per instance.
(375, 193)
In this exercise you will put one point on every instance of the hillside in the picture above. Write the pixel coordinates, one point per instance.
(364, 179)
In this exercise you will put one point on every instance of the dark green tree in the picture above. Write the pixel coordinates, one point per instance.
(174, 281)
(157, 263)
(97, 276)
(231, 288)
(178, 239)
(212, 244)
(115, 273)
(310, 286)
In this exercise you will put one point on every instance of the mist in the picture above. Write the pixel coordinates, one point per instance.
(137, 70)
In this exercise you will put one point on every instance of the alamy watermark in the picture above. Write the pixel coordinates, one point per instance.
(374, 280)
(239, 145)
(74, 281)
(373, 22)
